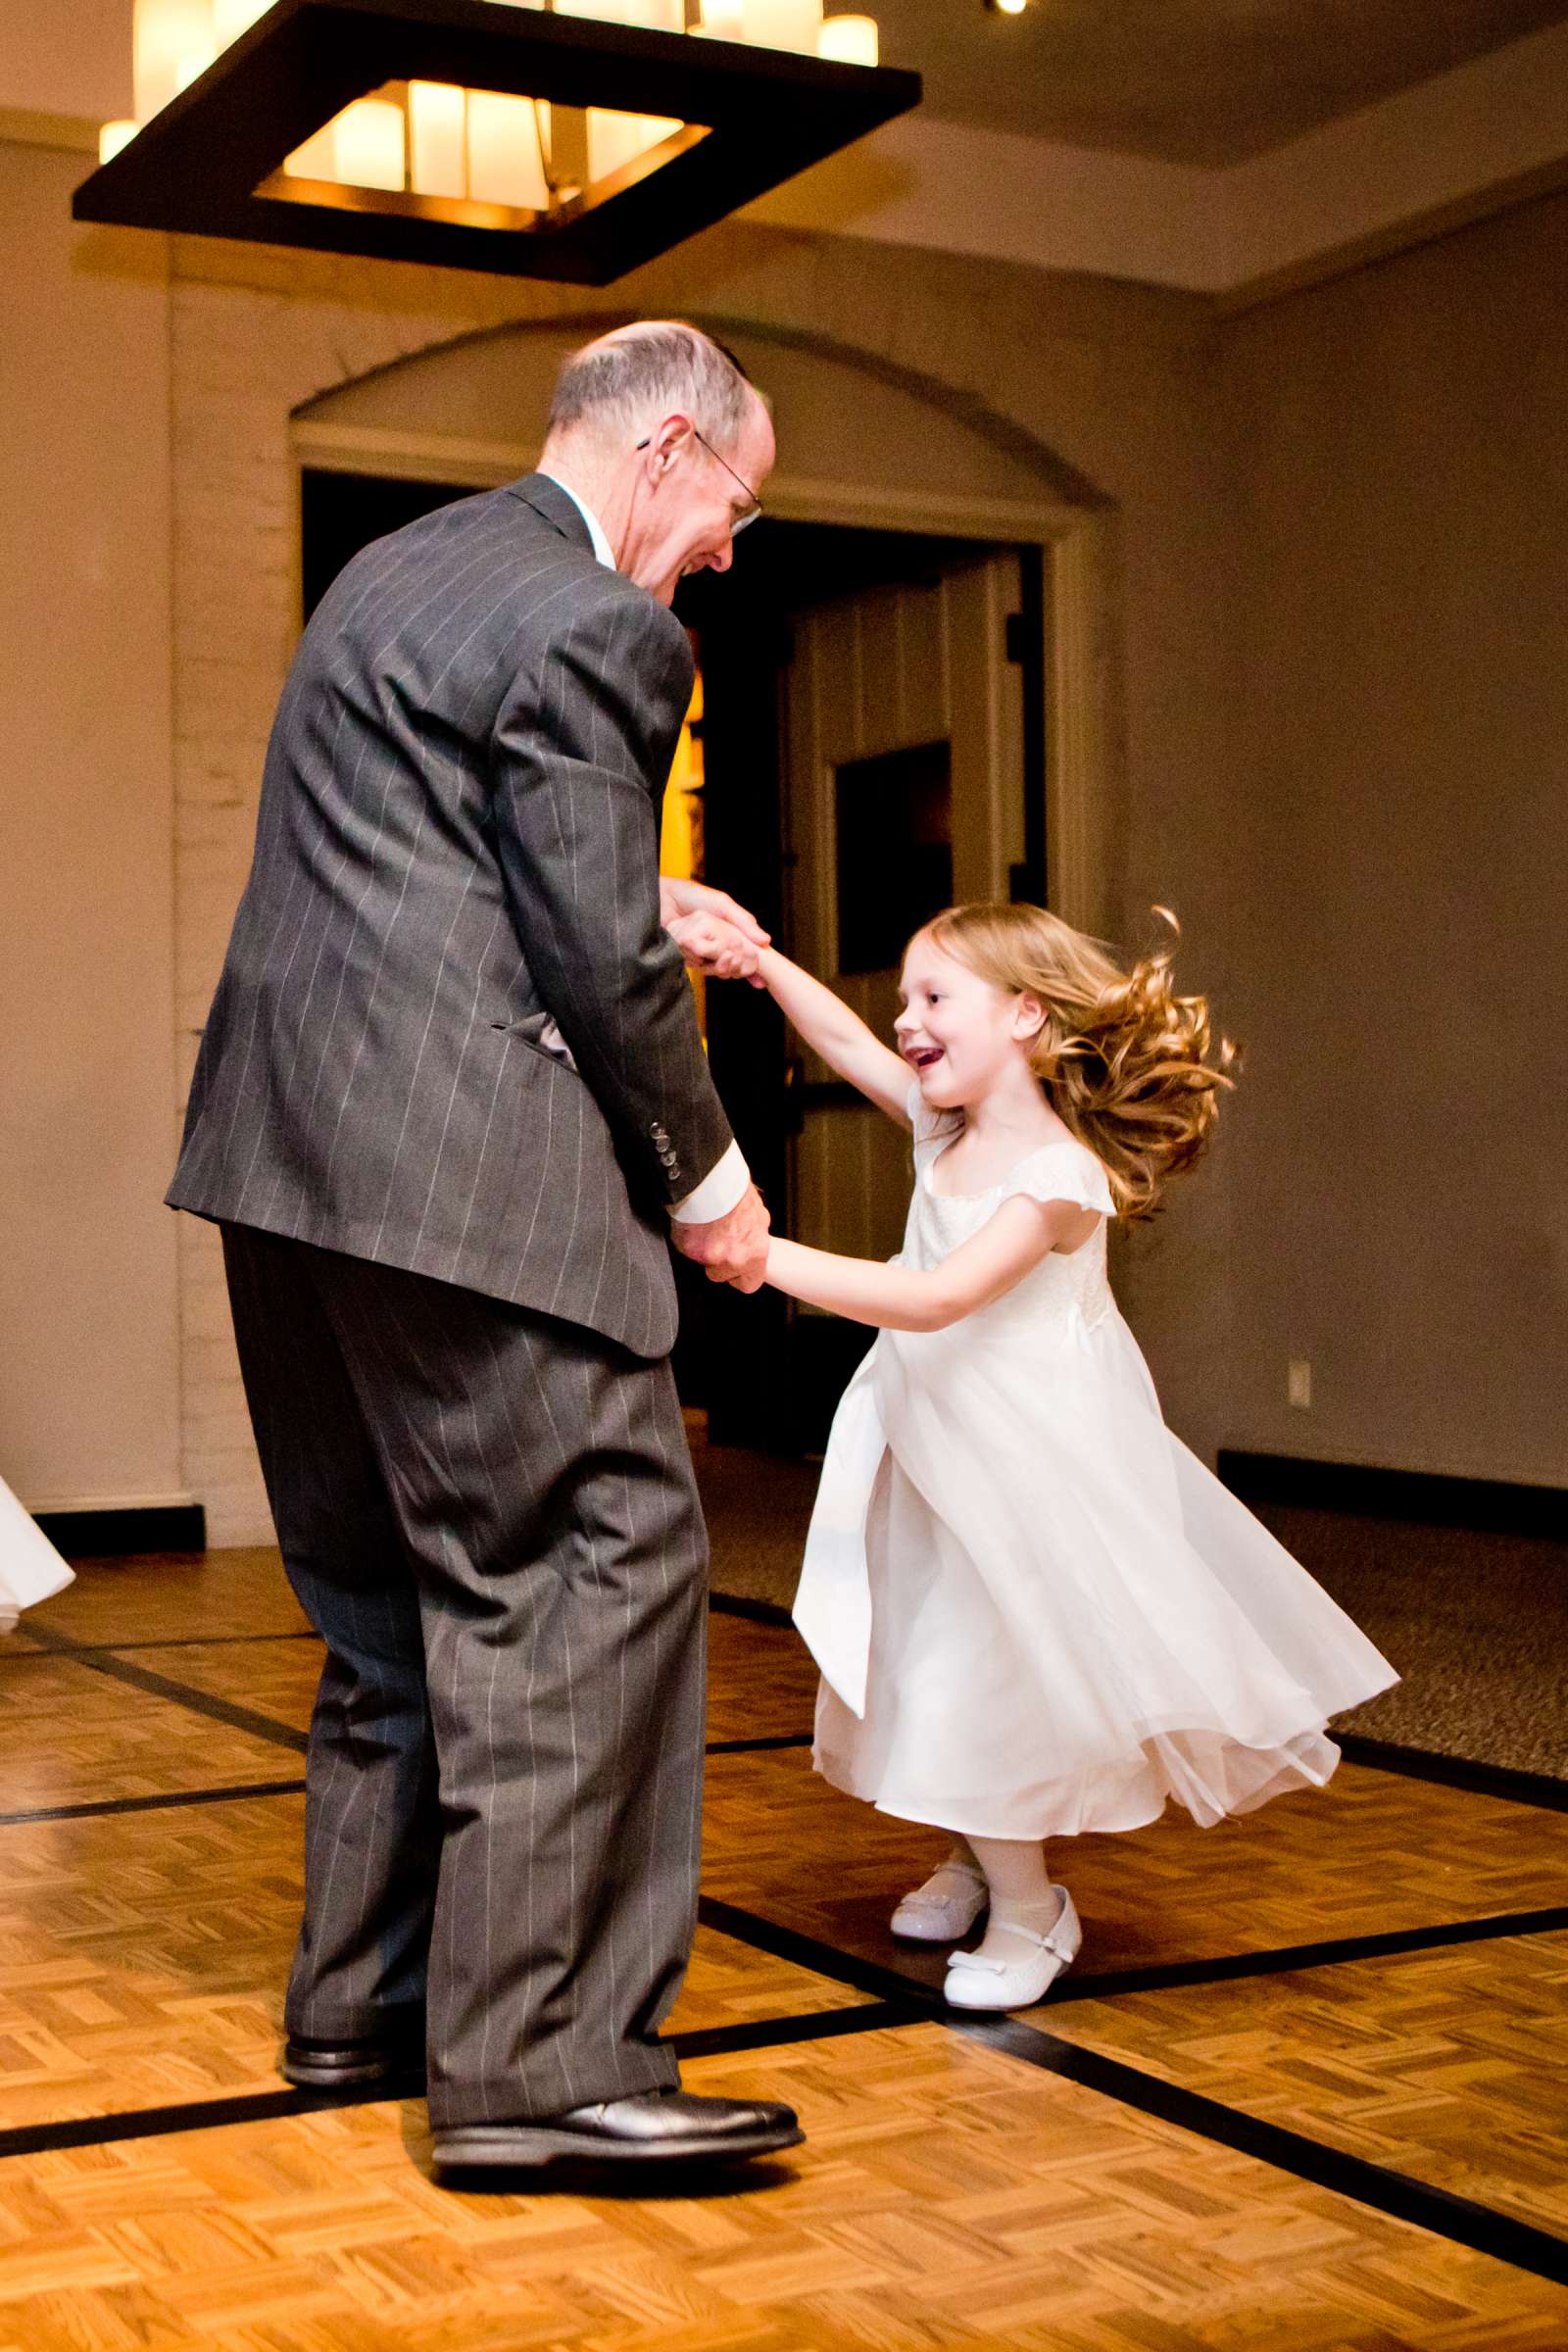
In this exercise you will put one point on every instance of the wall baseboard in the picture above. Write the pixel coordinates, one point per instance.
(1493, 1506)
(112, 1534)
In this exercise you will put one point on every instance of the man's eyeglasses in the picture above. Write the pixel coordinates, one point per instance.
(747, 516)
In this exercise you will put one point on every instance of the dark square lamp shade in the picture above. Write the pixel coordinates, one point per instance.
(483, 137)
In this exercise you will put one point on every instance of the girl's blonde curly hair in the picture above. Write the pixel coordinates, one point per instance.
(1128, 1064)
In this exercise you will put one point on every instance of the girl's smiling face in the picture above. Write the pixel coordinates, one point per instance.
(958, 1033)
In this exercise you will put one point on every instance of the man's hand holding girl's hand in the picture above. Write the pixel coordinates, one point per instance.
(713, 933)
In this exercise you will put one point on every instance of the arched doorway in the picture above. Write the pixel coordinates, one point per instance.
(903, 660)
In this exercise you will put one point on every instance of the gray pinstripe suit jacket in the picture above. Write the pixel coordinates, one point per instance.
(459, 837)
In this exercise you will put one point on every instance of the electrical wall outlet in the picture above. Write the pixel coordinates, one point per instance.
(1298, 1384)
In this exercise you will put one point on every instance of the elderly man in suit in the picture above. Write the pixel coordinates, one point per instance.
(450, 1109)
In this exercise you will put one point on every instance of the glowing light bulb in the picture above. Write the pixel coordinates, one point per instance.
(167, 35)
(849, 40)
(317, 159)
(783, 23)
(1010, 8)
(369, 139)
(113, 137)
(504, 166)
(232, 18)
(438, 139)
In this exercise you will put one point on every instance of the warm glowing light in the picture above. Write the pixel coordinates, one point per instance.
(370, 144)
(438, 139)
(1010, 8)
(851, 40)
(232, 18)
(615, 139)
(192, 66)
(782, 24)
(113, 137)
(317, 159)
(167, 34)
(504, 166)
(652, 16)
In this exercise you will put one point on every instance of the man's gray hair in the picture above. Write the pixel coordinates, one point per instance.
(621, 385)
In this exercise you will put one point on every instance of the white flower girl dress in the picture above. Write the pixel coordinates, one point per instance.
(30, 1568)
(1035, 1611)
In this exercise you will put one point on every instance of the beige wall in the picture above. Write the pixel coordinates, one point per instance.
(1324, 638)
(1400, 942)
(88, 1373)
(1089, 390)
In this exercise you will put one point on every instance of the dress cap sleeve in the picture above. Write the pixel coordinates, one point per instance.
(1065, 1170)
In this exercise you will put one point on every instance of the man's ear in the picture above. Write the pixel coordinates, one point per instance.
(672, 435)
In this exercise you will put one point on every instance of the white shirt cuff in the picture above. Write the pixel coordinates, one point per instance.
(722, 1189)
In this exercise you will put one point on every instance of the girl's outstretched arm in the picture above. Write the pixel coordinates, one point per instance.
(839, 1035)
(1008, 1246)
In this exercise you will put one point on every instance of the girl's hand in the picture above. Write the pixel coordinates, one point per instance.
(712, 945)
(712, 931)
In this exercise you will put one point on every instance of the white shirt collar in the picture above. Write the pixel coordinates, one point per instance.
(604, 552)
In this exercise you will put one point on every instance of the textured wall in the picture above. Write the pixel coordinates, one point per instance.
(89, 1388)
(1109, 379)
(1400, 946)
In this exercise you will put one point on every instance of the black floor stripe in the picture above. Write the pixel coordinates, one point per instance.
(176, 1799)
(272, 2106)
(747, 1747)
(877, 1978)
(154, 1804)
(183, 1642)
(1289, 1959)
(777, 2034)
(760, 1612)
(1458, 2218)
(181, 1694)
(808, 1951)
(1456, 1772)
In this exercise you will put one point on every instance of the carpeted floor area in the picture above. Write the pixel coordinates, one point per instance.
(1477, 1624)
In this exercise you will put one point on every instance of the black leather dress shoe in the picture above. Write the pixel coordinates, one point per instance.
(335, 2065)
(654, 2127)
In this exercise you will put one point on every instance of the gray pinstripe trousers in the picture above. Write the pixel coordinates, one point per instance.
(490, 1519)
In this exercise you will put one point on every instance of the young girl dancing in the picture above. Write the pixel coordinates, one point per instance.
(1035, 1612)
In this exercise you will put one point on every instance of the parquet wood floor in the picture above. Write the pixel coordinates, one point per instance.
(949, 2193)
(1372, 1853)
(276, 1678)
(174, 1596)
(763, 1684)
(1450, 2066)
(947, 2197)
(143, 1956)
(70, 1736)
(762, 1680)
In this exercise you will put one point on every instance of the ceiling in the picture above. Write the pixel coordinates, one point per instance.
(1187, 82)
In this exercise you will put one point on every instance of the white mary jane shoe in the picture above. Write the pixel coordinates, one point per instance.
(927, 1917)
(974, 1983)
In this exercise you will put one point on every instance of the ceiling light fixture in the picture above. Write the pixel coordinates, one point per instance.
(570, 141)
